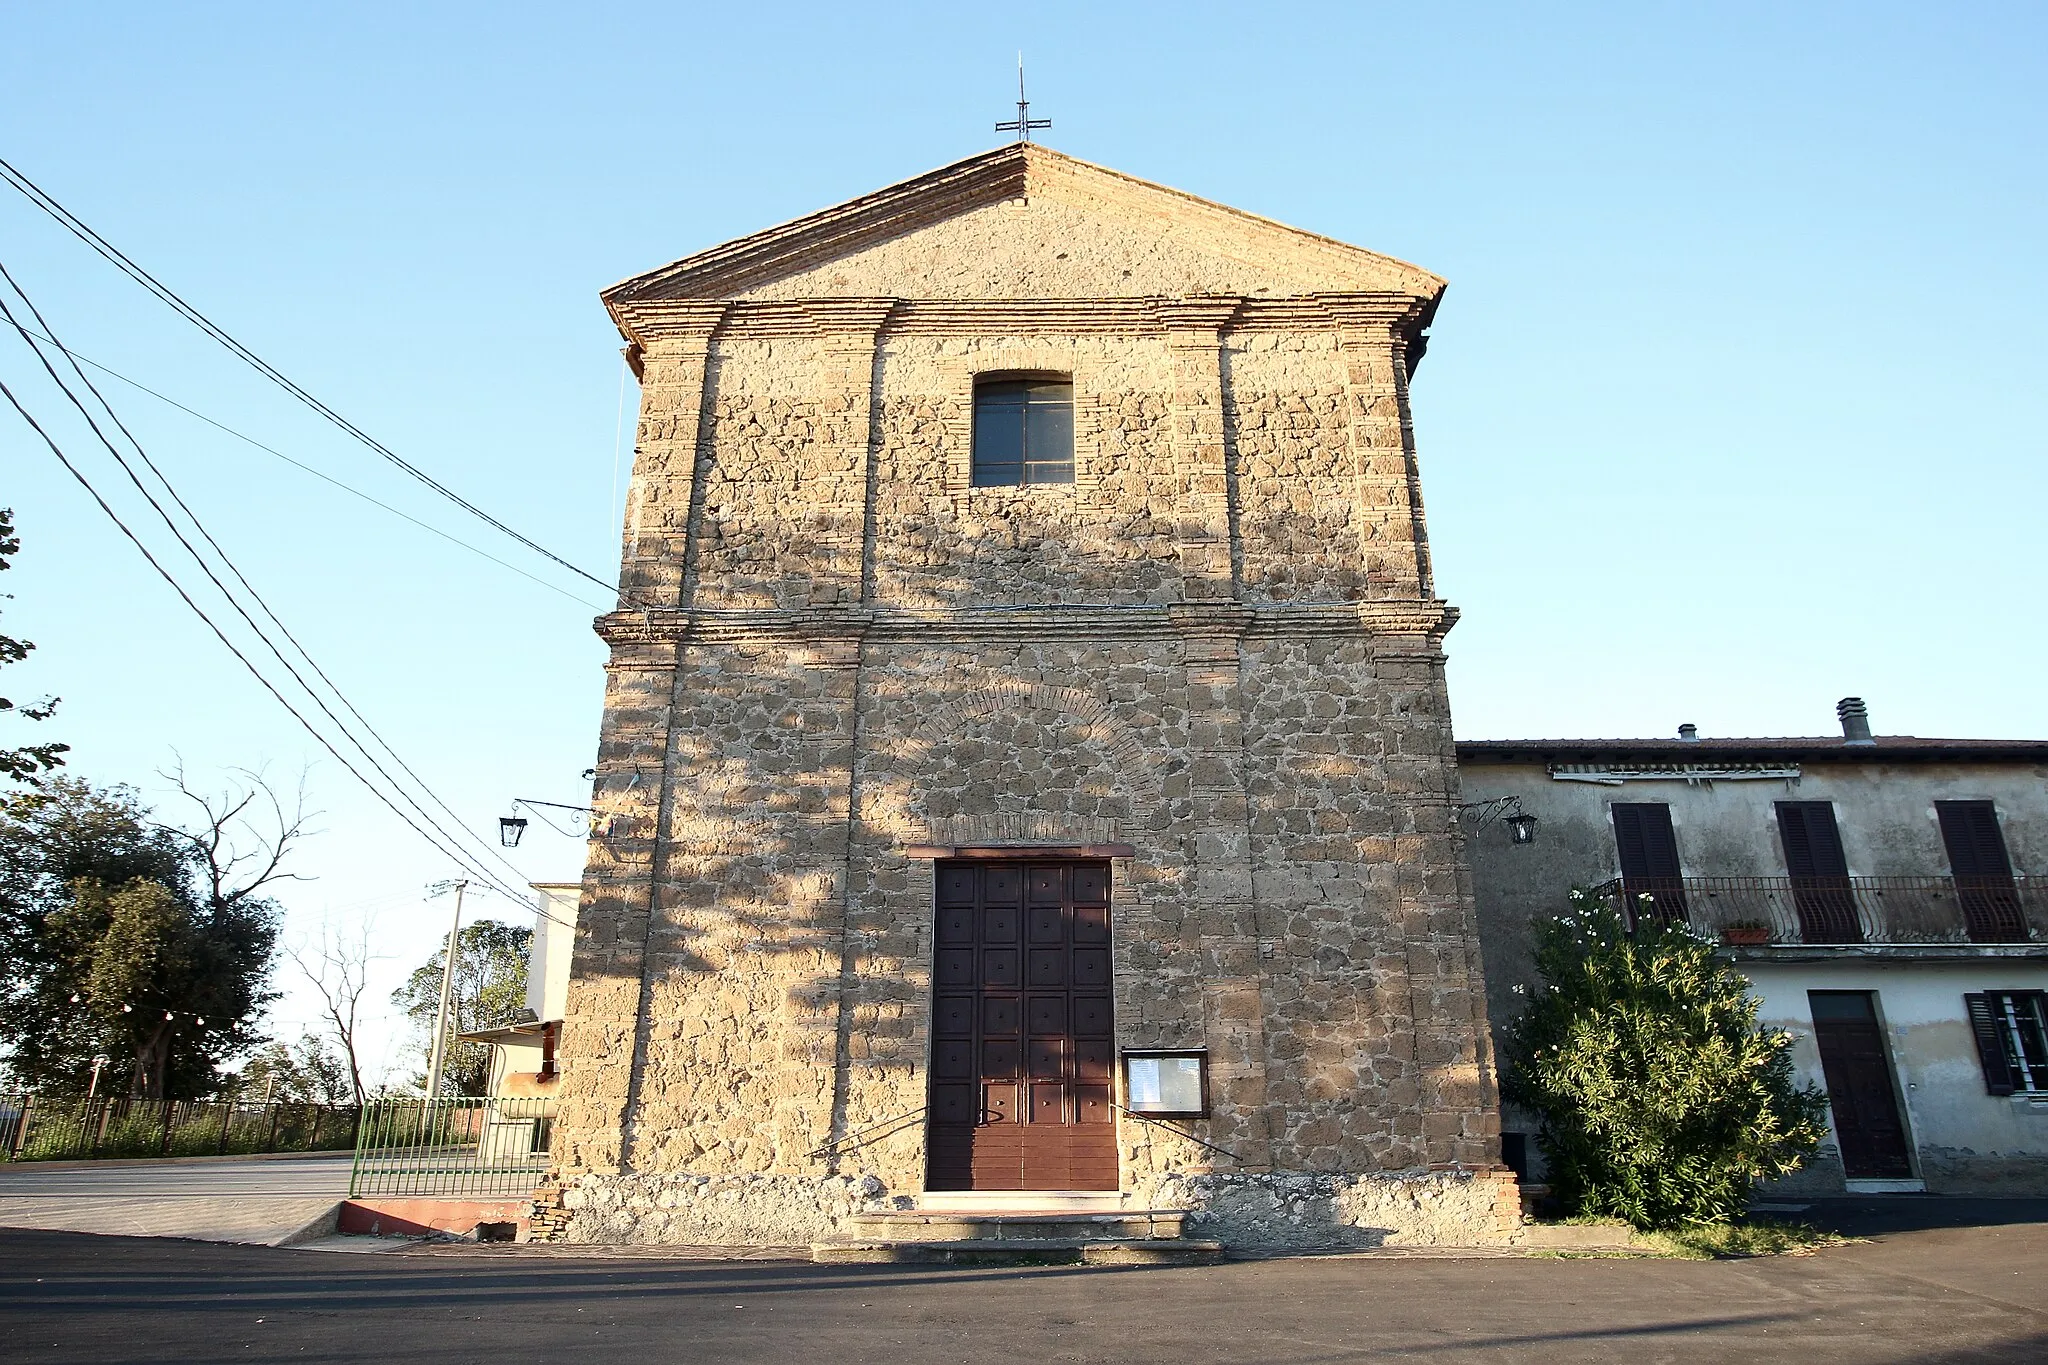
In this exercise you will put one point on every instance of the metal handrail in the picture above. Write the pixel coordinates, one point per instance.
(1834, 911)
(858, 1136)
(1177, 1132)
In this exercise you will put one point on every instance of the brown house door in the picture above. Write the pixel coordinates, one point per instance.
(1859, 1076)
(1021, 1028)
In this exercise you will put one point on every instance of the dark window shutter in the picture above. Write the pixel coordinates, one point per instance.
(1644, 838)
(1813, 844)
(1989, 1027)
(1976, 847)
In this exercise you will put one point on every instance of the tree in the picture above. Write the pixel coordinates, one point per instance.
(119, 935)
(490, 991)
(1662, 1102)
(305, 1072)
(28, 763)
(338, 970)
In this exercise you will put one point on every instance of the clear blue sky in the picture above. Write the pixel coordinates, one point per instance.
(1734, 406)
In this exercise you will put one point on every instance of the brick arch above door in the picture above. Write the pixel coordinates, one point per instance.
(1076, 711)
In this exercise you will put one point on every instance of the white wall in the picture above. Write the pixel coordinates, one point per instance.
(554, 940)
(1964, 1137)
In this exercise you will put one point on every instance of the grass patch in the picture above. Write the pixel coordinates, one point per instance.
(1752, 1237)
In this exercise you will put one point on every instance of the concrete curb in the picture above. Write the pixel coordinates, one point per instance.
(324, 1225)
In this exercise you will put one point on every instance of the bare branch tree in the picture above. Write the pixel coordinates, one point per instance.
(241, 852)
(339, 970)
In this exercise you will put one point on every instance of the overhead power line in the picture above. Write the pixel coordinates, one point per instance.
(211, 625)
(466, 861)
(319, 474)
(100, 245)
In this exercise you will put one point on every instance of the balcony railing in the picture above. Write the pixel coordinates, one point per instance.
(1791, 911)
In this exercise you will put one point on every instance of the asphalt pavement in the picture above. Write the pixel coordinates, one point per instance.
(258, 1201)
(1941, 1294)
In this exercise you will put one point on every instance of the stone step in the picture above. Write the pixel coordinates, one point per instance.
(921, 1226)
(1018, 1251)
(1020, 1201)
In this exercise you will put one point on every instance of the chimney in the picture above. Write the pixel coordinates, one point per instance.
(1689, 732)
(1855, 717)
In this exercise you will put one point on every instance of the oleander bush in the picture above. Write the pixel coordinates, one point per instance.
(1661, 1100)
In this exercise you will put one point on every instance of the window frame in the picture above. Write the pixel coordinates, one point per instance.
(1199, 1055)
(1024, 464)
(1999, 1020)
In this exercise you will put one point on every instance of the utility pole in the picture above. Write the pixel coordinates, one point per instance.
(441, 1019)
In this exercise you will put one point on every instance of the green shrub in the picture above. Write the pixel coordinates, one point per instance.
(1661, 1101)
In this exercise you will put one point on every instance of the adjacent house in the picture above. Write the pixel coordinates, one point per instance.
(523, 1055)
(1888, 896)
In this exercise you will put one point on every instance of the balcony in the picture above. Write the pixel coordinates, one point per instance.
(1765, 912)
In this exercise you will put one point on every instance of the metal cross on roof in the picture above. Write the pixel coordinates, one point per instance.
(1023, 123)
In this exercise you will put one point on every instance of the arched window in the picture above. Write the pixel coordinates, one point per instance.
(1023, 432)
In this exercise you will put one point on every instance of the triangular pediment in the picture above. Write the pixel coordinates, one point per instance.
(1025, 222)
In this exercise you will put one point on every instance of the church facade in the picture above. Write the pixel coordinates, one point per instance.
(1026, 764)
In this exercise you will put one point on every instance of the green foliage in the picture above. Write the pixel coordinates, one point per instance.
(490, 990)
(1751, 1237)
(27, 763)
(109, 922)
(1661, 1100)
(305, 1072)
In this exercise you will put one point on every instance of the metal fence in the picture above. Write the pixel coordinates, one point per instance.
(38, 1127)
(1790, 911)
(445, 1147)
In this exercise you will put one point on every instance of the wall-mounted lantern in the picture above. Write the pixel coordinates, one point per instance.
(1521, 828)
(1167, 1084)
(511, 828)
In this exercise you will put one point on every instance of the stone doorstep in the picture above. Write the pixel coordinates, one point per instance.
(919, 1226)
(1020, 1201)
(1018, 1251)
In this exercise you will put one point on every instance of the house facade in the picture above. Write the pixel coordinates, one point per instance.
(523, 1060)
(1026, 767)
(1884, 894)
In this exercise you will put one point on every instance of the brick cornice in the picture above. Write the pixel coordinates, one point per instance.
(1401, 623)
(650, 319)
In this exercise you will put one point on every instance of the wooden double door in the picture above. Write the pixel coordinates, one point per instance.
(1023, 1035)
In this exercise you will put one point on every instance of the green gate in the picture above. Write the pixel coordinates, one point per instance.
(452, 1148)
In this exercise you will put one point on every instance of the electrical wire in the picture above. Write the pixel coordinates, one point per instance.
(319, 474)
(114, 256)
(221, 635)
(466, 862)
(247, 587)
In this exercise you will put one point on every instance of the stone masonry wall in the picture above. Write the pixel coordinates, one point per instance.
(1218, 645)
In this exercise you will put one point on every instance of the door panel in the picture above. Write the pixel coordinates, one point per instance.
(1858, 1069)
(1022, 1036)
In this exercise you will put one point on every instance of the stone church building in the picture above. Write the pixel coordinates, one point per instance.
(1026, 772)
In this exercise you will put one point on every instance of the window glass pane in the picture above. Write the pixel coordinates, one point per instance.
(1049, 433)
(998, 433)
(1023, 432)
